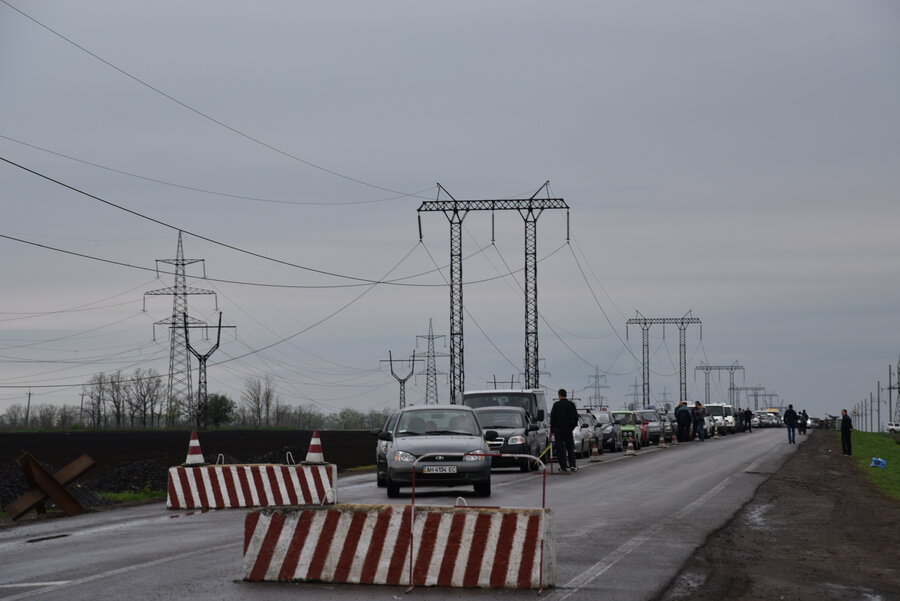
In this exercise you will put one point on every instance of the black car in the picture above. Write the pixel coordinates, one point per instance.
(516, 434)
(612, 432)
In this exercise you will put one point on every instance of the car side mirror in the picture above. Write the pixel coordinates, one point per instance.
(385, 436)
(491, 435)
(540, 415)
(532, 428)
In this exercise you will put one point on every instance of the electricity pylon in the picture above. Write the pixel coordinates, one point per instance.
(756, 390)
(455, 211)
(729, 368)
(178, 392)
(597, 399)
(403, 380)
(431, 372)
(201, 410)
(682, 323)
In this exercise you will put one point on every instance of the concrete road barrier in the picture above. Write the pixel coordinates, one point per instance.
(370, 544)
(257, 485)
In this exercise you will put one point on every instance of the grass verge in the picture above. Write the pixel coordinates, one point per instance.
(867, 445)
(128, 496)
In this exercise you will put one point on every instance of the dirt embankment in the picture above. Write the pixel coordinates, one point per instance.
(817, 530)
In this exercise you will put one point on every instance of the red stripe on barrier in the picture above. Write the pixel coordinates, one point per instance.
(267, 548)
(370, 565)
(529, 549)
(173, 495)
(201, 486)
(185, 487)
(304, 487)
(321, 554)
(320, 488)
(298, 539)
(256, 473)
(230, 488)
(426, 547)
(245, 486)
(269, 473)
(508, 524)
(398, 557)
(454, 540)
(216, 487)
(351, 541)
(249, 527)
(476, 552)
(286, 472)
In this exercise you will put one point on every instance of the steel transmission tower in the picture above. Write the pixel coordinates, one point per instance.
(597, 399)
(201, 411)
(179, 397)
(431, 372)
(403, 380)
(682, 323)
(756, 393)
(455, 211)
(730, 369)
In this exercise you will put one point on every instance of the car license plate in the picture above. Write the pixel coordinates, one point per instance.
(439, 469)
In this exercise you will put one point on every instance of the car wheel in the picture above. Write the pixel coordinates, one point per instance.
(393, 490)
(483, 489)
(380, 480)
(525, 466)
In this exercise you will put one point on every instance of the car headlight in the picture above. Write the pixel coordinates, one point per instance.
(404, 456)
(515, 440)
(476, 455)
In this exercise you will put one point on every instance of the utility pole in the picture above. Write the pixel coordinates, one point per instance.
(634, 394)
(729, 368)
(178, 390)
(201, 411)
(402, 381)
(682, 323)
(596, 398)
(455, 211)
(431, 395)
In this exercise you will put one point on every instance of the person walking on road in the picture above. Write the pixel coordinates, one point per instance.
(683, 419)
(563, 419)
(698, 413)
(846, 429)
(748, 419)
(790, 420)
(802, 421)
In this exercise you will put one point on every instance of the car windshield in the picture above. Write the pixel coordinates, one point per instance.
(624, 419)
(437, 421)
(649, 416)
(496, 418)
(716, 410)
(603, 418)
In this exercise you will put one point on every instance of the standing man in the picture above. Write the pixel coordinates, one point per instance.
(846, 429)
(748, 419)
(563, 419)
(683, 419)
(790, 420)
(803, 420)
(698, 413)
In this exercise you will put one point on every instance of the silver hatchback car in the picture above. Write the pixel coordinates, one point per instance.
(453, 447)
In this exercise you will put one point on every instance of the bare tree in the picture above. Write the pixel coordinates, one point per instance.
(45, 416)
(117, 392)
(260, 400)
(14, 417)
(95, 391)
(145, 396)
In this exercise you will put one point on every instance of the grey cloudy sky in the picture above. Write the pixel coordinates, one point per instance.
(734, 159)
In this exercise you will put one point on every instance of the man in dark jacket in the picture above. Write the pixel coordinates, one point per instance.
(846, 429)
(563, 419)
(790, 420)
(748, 419)
(698, 415)
(683, 419)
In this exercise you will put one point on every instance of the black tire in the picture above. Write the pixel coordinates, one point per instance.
(380, 480)
(525, 466)
(393, 490)
(483, 489)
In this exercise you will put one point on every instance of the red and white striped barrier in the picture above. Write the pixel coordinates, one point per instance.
(258, 485)
(370, 544)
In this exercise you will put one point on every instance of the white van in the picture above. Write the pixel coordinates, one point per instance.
(893, 427)
(723, 415)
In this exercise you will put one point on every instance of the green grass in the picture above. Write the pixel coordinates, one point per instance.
(871, 444)
(361, 467)
(125, 497)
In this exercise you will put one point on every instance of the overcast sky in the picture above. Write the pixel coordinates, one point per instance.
(736, 160)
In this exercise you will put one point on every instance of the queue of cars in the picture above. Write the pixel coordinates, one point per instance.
(458, 445)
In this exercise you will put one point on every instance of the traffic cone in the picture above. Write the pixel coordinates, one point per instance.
(314, 455)
(716, 432)
(630, 449)
(674, 440)
(662, 441)
(595, 452)
(194, 455)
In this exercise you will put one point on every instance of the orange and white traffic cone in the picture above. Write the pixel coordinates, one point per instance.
(630, 450)
(595, 451)
(716, 432)
(314, 455)
(194, 454)
(662, 441)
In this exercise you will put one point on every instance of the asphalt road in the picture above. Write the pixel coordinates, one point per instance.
(624, 528)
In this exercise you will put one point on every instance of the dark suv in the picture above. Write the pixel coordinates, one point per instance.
(516, 434)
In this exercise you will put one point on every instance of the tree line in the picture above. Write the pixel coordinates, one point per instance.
(137, 400)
